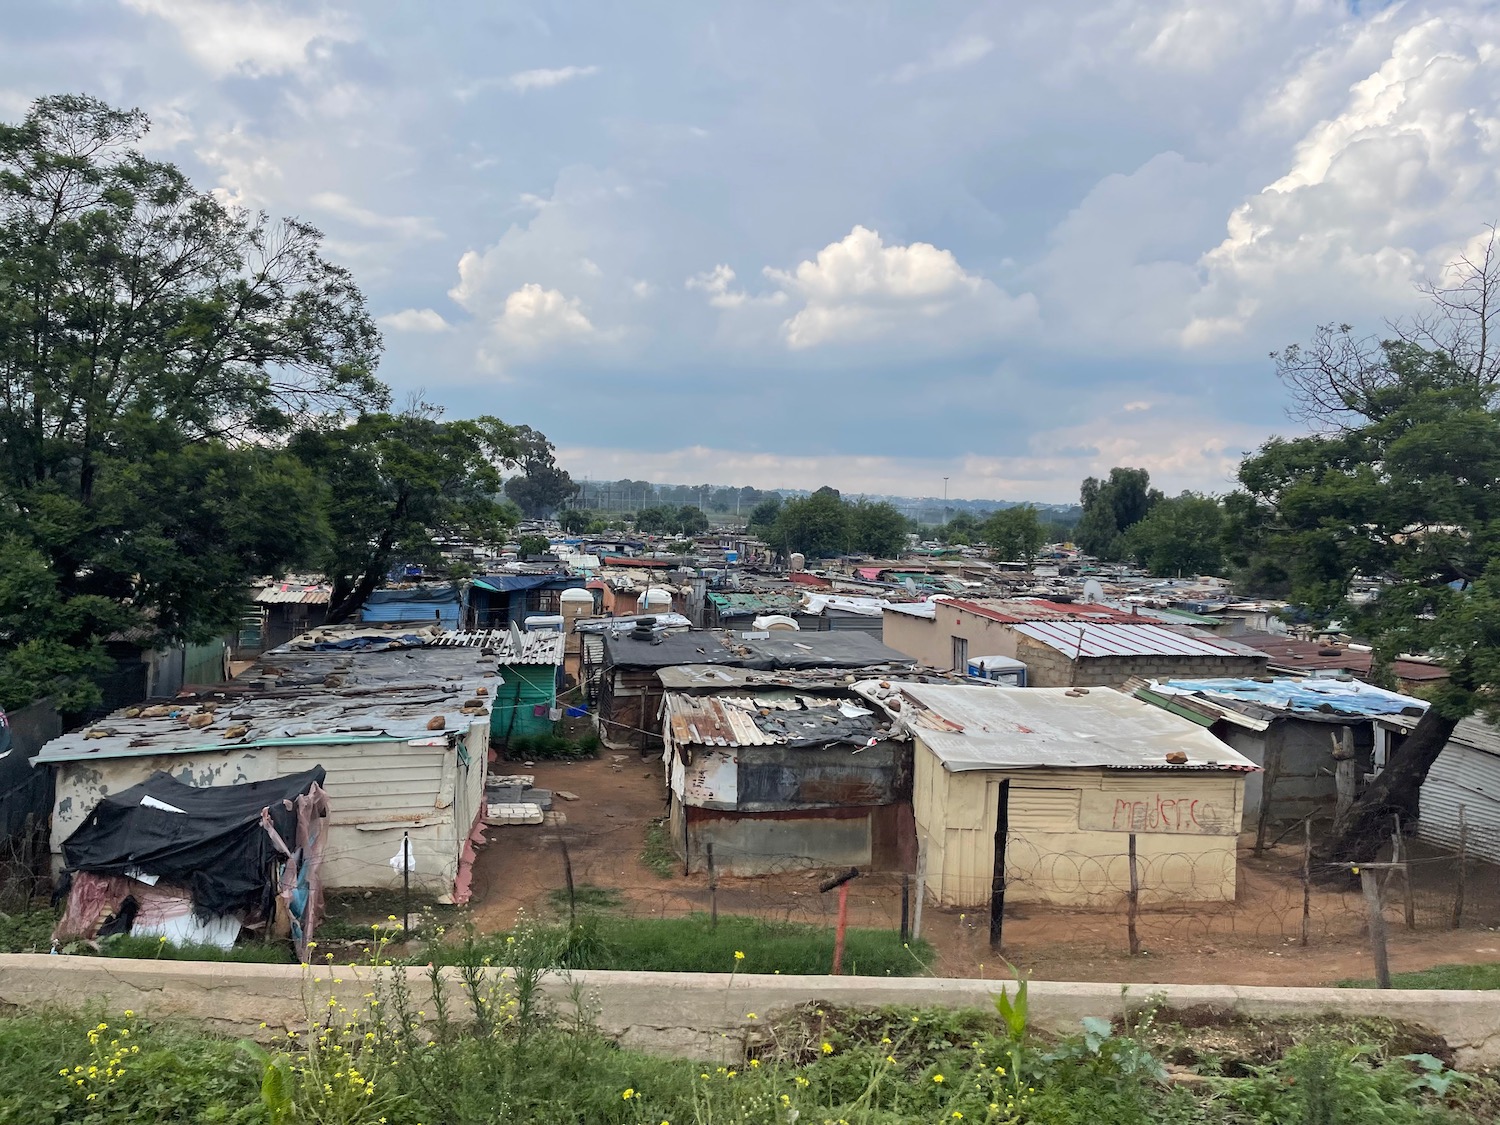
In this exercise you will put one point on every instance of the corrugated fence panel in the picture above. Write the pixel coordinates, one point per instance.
(1469, 778)
(1043, 810)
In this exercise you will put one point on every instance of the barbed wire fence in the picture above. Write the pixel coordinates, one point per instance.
(1053, 900)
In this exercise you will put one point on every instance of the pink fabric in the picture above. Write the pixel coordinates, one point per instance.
(93, 898)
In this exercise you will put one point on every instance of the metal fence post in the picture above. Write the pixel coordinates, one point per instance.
(1463, 870)
(713, 888)
(905, 908)
(568, 875)
(916, 916)
(1306, 878)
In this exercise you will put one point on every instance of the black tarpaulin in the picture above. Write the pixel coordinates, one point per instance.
(210, 840)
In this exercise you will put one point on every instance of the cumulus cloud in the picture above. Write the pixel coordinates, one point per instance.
(408, 227)
(1375, 196)
(534, 317)
(251, 38)
(415, 320)
(955, 55)
(861, 289)
(718, 283)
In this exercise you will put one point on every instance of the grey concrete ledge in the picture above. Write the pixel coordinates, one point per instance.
(701, 1015)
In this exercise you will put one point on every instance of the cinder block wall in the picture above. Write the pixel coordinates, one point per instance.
(1047, 667)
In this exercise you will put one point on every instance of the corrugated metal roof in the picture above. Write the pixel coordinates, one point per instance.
(538, 646)
(1296, 655)
(1094, 638)
(307, 696)
(768, 718)
(289, 593)
(1011, 611)
(995, 728)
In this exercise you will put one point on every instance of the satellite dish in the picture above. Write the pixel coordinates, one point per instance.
(1093, 592)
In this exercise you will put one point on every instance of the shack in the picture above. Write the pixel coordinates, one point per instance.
(196, 866)
(400, 725)
(438, 603)
(1045, 787)
(1296, 730)
(498, 600)
(630, 693)
(528, 662)
(775, 780)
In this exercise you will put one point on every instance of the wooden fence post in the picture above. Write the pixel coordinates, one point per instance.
(1134, 902)
(568, 875)
(1371, 887)
(921, 889)
(1402, 856)
(1268, 785)
(713, 888)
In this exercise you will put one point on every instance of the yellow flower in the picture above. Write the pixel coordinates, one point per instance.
(937, 1078)
(957, 1114)
(828, 1048)
(754, 1063)
(803, 1082)
(629, 1093)
(739, 954)
(129, 1014)
(751, 1016)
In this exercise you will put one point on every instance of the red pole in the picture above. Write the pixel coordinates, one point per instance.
(838, 934)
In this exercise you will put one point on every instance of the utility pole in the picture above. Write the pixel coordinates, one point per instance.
(945, 501)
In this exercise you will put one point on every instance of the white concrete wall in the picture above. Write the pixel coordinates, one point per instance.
(693, 1015)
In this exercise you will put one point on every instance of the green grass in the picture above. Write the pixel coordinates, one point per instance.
(27, 932)
(1485, 977)
(813, 1064)
(693, 945)
(147, 948)
(585, 897)
(658, 853)
(551, 748)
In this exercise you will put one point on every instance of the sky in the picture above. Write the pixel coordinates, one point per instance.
(862, 243)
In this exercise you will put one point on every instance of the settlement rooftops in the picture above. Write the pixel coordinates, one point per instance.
(995, 728)
(770, 719)
(784, 650)
(390, 688)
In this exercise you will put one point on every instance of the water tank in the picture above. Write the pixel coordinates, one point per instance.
(731, 557)
(775, 621)
(536, 622)
(575, 603)
(797, 561)
(655, 600)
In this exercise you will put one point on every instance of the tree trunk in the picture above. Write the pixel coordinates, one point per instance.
(1395, 790)
(356, 597)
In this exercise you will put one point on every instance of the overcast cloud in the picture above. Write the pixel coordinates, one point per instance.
(870, 245)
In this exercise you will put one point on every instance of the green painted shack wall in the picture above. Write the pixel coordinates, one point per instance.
(536, 684)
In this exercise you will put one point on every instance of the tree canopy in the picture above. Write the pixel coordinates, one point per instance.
(1111, 507)
(1014, 534)
(154, 347)
(1179, 536)
(399, 482)
(542, 487)
(1410, 496)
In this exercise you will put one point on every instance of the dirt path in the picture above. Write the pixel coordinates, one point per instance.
(1252, 941)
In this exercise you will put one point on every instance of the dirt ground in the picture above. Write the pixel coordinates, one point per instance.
(1253, 941)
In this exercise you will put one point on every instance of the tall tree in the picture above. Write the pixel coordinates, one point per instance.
(763, 518)
(1014, 534)
(1179, 535)
(154, 346)
(542, 487)
(690, 521)
(817, 526)
(1111, 507)
(877, 529)
(396, 482)
(1410, 496)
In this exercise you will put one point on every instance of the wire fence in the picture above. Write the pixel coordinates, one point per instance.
(1053, 903)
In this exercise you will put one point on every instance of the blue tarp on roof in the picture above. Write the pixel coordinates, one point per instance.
(1344, 697)
(441, 604)
(508, 583)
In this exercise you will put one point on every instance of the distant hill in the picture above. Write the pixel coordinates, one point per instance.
(633, 495)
